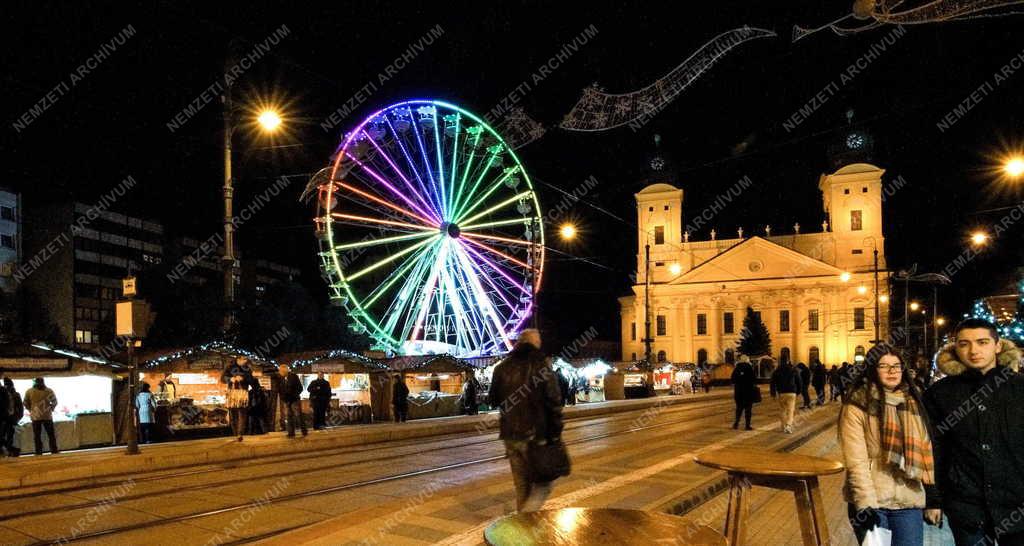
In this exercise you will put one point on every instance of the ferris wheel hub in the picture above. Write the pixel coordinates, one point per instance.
(451, 229)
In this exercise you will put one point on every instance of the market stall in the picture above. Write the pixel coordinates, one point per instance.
(435, 383)
(83, 384)
(193, 406)
(352, 391)
(592, 374)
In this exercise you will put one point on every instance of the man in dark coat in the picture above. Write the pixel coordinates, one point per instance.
(15, 411)
(805, 384)
(400, 399)
(744, 386)
(785, 384)
(320, 399)
(818, 381)
(525, 389)
(291, 404)
(469, 391)
(978, 425)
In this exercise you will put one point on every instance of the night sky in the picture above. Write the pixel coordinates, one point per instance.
(729, 124)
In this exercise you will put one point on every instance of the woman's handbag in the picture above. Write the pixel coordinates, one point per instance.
(549, 460)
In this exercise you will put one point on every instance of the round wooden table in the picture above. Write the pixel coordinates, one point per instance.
(598, 526)
(787, 471)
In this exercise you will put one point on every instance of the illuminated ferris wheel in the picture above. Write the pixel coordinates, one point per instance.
(430, 232)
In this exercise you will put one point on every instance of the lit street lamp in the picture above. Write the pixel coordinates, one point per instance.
(567, 232)
(270, 120)
(979, 238)
(1014, 166)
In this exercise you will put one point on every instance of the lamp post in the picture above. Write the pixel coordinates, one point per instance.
(874, 246)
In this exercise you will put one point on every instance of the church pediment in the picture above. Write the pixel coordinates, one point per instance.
(757, 258)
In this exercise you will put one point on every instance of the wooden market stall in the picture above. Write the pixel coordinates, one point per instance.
(193, 406)
(351, 378)
(434, 381)
(84, 383)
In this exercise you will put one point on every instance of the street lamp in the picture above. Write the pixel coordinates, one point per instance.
(1014, 166)
(269, 120)
(979, 238)
(914, 306)
(567, 232)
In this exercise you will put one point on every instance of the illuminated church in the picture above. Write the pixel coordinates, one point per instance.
(813, 288)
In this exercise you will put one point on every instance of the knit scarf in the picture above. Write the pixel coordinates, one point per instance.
(905, 442)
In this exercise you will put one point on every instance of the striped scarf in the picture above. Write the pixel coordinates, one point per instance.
(905, 442)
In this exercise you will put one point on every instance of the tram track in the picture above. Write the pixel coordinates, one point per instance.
(571, 424)
(305, 470)
(709, 411)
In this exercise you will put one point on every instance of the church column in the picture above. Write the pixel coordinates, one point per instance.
(796, 325)
(688, 354)
(677, 331)
(715, 329)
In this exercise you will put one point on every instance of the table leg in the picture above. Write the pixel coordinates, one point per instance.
(739, 509)
(811, 511)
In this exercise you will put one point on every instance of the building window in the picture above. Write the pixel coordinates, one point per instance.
(727, 322)
(7, 213)
(730, 356)
(666, 207)
(858, 318)
(107, 293)
(846, 191)
(659, 235)
(702, 324)
(650, 209)
(7, 241)
(633, 357)
(856, 220)
(702, 356)
(857, 251)
(864, 190)
(659, 264)
(812, 320)
(83, 336)
(662, 357)
(784, 320)
(813, 355)
(661, 325)
(632, 331)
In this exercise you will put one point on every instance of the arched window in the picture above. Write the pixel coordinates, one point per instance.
(662, 357)
(784, 355)
(730, 356)
(814, 355)
(702, 356)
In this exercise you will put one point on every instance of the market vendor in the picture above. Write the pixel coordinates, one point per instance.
(168, 390)
(320, 398)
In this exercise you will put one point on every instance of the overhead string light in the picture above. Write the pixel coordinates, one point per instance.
(901, 12)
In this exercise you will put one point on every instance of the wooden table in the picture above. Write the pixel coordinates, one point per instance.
(787, 471)
(598, 526)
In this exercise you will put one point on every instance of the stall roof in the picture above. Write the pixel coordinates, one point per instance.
(346, 360)
(214, 347)
(429, 363)
(42, 356)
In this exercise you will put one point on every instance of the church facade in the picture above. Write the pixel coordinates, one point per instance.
(815, 291)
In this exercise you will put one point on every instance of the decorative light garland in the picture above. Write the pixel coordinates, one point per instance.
(220, 347)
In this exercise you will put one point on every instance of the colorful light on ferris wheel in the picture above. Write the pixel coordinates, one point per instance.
(430, 231)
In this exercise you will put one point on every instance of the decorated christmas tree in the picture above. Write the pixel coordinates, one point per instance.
(982, 310)
(1014, 330)
(754, 340)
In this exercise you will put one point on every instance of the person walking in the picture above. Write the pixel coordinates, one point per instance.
(469, 392)
(785, 384)
(979, 435)
(238, 377)
(745, 392)
(885, 439)
(695, 380)
(14, 414)
(40, 402)
(845, 377)
(258, 402)
(146, 406)
(525, 389)
(805, 384)
(291, 400)
(320, 394)
(833, 383)
(818, 381)
(400, 399)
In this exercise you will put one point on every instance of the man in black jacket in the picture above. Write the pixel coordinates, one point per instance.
(291, 405)
(978, 424)
(805, 384)
(785, 384)
(525, 388)
(320, 398)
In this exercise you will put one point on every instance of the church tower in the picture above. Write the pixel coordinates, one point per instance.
(853, 202)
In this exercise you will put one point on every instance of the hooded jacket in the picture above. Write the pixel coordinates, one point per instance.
(978, 424)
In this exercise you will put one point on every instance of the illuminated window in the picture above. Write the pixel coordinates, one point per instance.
(812, 320)
(702, 324)
(659, 235)
(856, 220)
(661, 325)
(632, 331)
(858, 318)
(728, 323)
(784, 320)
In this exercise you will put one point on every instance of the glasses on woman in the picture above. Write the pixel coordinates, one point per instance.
(890, 368)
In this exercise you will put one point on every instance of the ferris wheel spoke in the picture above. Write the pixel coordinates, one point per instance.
(390, 259)
(383, 241)
(496, 238)
(426, 165)
(440, 164)
(511, 221)
(483, 299)
(492, 187)
(493, 151)
(380, 221)
(392, 206)
(455, 159)
(405, 266)
(520, 285)
(470, 326)
(380, 179)
(394, 167)
(424, 303)
(403, 305)
(416, 172)
(475, 131)
(500, 291)
(492, 250)
(505, 203)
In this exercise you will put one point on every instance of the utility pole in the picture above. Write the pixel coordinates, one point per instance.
(228, 260)
(877, 306)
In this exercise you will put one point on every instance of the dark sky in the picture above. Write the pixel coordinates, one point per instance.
(113, 123)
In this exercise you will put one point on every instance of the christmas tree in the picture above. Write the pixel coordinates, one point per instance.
(754, 340)
(982, 310)
(1014, 330)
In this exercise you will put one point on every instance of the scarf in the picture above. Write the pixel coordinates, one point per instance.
(905, 442)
